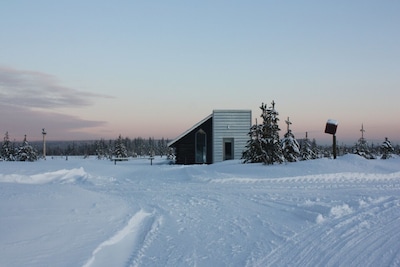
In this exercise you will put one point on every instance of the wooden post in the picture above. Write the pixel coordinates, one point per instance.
(334, 146)
(44, 143)
(330, 128)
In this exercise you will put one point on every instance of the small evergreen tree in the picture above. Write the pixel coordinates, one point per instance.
(306, 151)
(271, 148)
(253, 153)
(264, 144)
(361, 147)
(101, 149)
(290, 146)
(162, 147)
(120, 148)
(397, 149)
(7, 150)
(26, 152)
(387, 149)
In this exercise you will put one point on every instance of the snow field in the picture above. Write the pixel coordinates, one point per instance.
(88, 212)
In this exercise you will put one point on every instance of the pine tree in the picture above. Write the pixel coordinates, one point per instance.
(7, 151)
(252, 154)
(120, 148)
(306, 151)
(316, 149)
(387, 149)
(101, 149)
(271, 148)
(361, 147)
(290, 146)
(397, 149)
(264, 144)
(26, 152)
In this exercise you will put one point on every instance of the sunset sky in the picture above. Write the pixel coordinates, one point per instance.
(97, 69)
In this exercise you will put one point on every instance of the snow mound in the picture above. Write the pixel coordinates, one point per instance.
(339, 211)
(60, 176)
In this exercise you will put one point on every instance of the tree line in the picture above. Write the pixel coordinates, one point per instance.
(102, 149)
(22, 152)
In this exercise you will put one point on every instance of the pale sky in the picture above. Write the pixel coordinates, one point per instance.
(97, 69)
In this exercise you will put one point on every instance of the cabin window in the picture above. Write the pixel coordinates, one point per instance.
(201, 146)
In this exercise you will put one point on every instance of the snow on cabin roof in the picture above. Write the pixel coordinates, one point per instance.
(189, 130)
(334, 122)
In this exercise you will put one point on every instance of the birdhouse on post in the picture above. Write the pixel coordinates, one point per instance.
(330, 128)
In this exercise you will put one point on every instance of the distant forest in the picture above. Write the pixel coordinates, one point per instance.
(120, 147)
(137, 147)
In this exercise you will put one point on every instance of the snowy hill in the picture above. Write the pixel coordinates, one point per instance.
(89, 212)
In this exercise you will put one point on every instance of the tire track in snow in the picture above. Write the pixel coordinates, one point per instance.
(127, 246)
(370, 234)
(356, 233)
(345, 178)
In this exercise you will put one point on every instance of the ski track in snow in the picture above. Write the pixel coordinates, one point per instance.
(342, 244)
(343, 178)
(127, 246)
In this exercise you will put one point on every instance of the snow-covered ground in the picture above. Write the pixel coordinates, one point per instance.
(89, 212)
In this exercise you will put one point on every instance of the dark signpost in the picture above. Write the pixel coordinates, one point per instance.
(330, 128)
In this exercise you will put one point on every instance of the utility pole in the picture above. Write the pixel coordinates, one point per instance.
(44, 143)
(288, 122)
(362, 132)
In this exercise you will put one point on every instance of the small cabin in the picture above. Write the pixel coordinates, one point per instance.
(220, 136)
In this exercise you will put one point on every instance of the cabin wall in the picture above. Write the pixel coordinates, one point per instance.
(230, 126)
(185, 147)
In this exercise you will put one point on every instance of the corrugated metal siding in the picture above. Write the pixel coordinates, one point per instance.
(230, 124)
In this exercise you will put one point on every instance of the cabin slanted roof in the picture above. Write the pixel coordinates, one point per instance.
(189, 130)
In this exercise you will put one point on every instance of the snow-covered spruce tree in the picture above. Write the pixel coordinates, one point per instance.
(396, 149)
(26, 152)
(264, 144)
(253, 153)
(120, 149)
(361, 147)
(271, 148)
(7, 149)
(290, 146)
(101, 149)
(306, 151)
(386, 149)
(316, 149)
(162, 147)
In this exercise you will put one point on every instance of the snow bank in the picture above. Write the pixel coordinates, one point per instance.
(61, 176)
